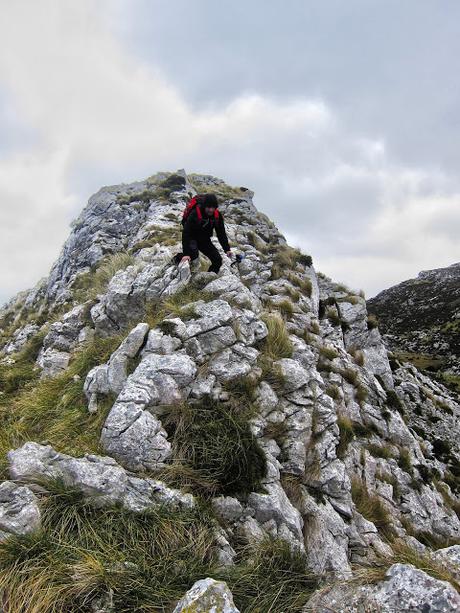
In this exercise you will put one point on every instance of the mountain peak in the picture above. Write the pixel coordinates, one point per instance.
(254, 414)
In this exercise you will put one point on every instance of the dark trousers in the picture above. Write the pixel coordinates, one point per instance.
(208, 249)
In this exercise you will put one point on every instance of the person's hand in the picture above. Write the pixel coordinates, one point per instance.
(229, 254)
(185, 258)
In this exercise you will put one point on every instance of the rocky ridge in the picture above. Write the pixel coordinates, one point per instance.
(420, 321)
(342, 454)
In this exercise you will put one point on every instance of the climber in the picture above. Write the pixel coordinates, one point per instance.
(201, 217)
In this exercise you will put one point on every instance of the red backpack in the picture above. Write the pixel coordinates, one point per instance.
(194, 203)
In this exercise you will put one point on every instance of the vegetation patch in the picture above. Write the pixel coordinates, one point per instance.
(214, 440)
(55, 409)
(287, 258)
(274, 579)
(328, 352)
(147, 561)
(276, 344)
(346, 435)
(372, 508)
(21, 369)
(89, 285)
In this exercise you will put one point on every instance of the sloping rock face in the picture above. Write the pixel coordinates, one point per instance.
(421, 318)
(351, 460)
(405, 588)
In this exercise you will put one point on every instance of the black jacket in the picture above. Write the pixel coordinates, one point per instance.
(201, 231)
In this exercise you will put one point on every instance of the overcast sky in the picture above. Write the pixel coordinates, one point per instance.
(342, 116)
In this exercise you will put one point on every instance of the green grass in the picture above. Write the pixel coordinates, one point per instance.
(304, 285)
(372, 321)
(177, 305)
(89, 285)
(273, 579)
(405, 554)
(404, 461)
(380, 451)
(55, 409)
(285, 307)
(333, 316)
(14, 376)
(147, 560)
(333, 391)
(215, 441)
(287, 259)
(328, 352)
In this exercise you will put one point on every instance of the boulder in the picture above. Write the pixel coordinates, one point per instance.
(207, 596)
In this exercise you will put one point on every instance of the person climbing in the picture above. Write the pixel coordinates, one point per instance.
(200, 218)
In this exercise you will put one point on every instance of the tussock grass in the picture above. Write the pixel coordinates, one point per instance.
(277, 343)
(292, 485)
(328, 352)
(333, 316)
(404, 461)
(285, 307)
(372, 321)
(89, 285)
(15, 376)
(333, 391)
(346, 434)
(275, 579)
(214, 440)
(362, 393)
(304, 285)
(287, 258)
(55, 409)
(146, 560)
(380, 451)
(177, 305)
(372, 508)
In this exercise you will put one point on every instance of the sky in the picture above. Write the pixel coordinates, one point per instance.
(343, 117)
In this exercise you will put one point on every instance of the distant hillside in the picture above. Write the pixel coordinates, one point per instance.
(420, 320)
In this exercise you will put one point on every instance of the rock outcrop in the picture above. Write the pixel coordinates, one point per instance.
(420, 320)
(338, 450)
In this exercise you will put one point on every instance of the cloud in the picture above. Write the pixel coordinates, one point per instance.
(95, 114)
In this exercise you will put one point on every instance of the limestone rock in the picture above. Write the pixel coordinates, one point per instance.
(207, 596)
(19, 511)
(100, 479)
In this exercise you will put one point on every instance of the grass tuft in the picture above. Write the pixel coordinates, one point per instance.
(214, 440)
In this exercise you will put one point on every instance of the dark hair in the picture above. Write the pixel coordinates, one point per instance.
(208, 200)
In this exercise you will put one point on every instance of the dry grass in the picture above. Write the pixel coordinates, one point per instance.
(89, 285)
(372, 508)
(277, 343)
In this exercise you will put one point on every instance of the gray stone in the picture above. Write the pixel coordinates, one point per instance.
(100, 479)
(207, 596)
(19, 511)
(404, 589)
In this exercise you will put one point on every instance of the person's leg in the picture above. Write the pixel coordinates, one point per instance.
(194, 252)
(211, 252)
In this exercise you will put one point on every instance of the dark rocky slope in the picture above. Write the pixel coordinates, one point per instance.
(420, 321)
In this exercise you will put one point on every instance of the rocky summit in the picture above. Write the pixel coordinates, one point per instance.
(177, 440)
(420, 322)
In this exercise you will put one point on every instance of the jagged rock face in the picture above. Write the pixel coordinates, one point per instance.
(422, 316)
(350, 455)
